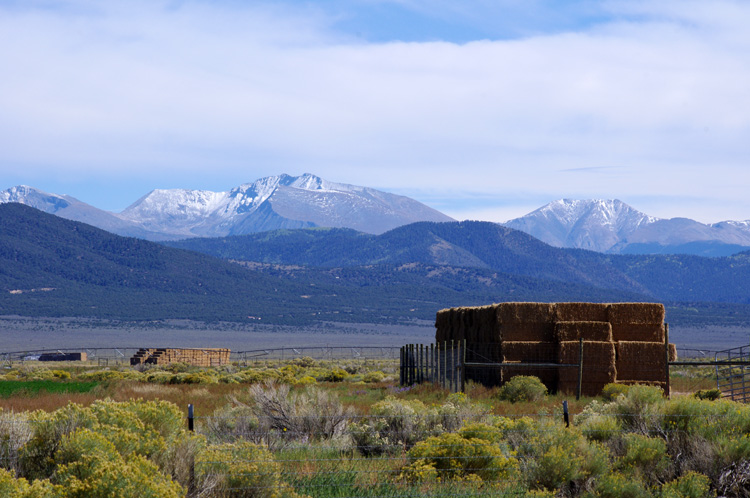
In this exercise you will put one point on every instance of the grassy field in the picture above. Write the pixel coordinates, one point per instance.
(317, 428)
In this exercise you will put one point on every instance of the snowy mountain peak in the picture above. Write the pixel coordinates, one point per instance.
(35, 198)
(593, 224)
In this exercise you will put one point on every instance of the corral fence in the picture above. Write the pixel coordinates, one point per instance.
(121, 355)
(451, 363)
(733, 373)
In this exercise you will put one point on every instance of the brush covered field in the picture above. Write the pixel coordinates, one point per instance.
(343, 429)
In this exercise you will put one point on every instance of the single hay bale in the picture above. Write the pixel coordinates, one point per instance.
(581, 312)
(641, 361)
(672, 352)
(643, 332)
(598, 361)
(489, 331)
(525, 332)
(636, 313)
(525, 313)
(529, 352)
(588, 331)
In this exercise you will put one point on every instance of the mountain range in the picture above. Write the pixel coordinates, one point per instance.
(50, 266)
(267, 204)
(611, 226)
(288, 202)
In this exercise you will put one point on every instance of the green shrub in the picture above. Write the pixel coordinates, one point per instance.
(644, 456)
(461, 455)
(371, 377)
(617, 485)
(10, 487)
(394, 425)
(61, 374)
(334, 375)
(612, 391)
(596, 423)
(91, 467)
(240, 469)
(708, 394)
(232, 422)
(523, 388)
(311, 414)
(691, 485)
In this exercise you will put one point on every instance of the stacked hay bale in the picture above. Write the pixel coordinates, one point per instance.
(638, 331)
(204, 357)
(622, 342)
(526, 331)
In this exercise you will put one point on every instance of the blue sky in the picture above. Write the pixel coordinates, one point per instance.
(482, 109)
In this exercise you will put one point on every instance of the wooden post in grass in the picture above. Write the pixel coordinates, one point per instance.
(191, 476)
(463, 367)
(666, 358)
(580, 368)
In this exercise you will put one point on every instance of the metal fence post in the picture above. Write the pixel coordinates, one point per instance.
(191, 477)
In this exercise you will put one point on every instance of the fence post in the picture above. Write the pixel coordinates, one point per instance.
(580, 368)
(420, 375)
(566, 416)
(666, 358)
(463, 367)
(191, 476)
(401, 366)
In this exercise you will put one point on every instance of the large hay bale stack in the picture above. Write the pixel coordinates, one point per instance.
(599, 366)
(588, 331)
(581, 312)
(641, 361)
(526, 322)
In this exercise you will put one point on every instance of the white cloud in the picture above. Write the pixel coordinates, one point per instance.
(234, 92)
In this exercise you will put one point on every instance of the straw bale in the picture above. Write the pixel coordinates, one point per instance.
(640, 313)
(672, 352)
(642, 361)
(529, 351)
(581, 312)
(588, 331)
(539, 332)
(525, 312)
(598, 361)
(638, 332)
(442, 325)
(486, 323)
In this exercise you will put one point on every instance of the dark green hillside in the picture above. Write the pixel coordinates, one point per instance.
(462, 244)
(491, 246)
(94, 273)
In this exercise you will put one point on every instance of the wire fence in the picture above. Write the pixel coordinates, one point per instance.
(116, 356)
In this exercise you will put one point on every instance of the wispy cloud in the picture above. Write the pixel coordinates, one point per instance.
(216, 93)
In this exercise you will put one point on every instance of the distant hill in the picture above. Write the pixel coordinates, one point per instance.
(497, 248)
(611, 226)
(50, 266)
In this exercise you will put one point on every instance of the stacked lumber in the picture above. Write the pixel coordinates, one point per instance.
(623, 342)
(203, 357)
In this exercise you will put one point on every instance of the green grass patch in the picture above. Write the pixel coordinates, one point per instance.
(10, 388)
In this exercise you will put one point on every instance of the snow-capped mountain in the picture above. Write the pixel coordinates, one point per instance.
(267, 204)
(615, 227)
(71, 208)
